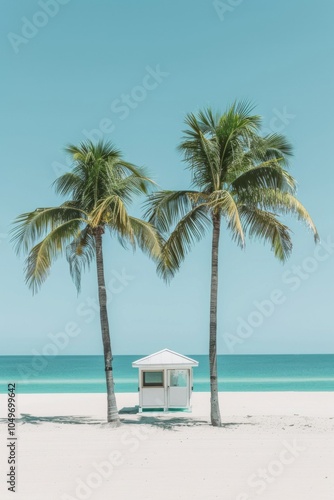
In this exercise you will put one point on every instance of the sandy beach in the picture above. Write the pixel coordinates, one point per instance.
(272, 445)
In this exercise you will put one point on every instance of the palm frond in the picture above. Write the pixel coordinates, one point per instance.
(270, 147)
(211, 143)
(238, 124)
(133, 185)
(190, 228)
(43, 254)
(264, 225)
(100, 185)
(127, 169)
(222, 201)
(68, 183)
(88, 151)
(31, 226)
(266, 175)
(165, 208)
(147, 237)
(284, 203)
(79, 254)
(208, 121)
(112, 212)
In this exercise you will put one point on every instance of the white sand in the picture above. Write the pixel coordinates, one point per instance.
(287, 438)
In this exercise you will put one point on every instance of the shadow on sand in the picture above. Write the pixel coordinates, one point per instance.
(157, 421)
(160, 418)
(27, 418)
(164, 421)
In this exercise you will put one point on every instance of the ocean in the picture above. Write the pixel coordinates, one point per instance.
(70, 374)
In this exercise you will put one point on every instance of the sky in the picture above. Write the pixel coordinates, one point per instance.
(129, 72)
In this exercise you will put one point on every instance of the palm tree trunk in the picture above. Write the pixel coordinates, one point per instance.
(111, 398)
(215, 412)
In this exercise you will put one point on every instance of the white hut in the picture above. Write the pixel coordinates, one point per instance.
(165, 380)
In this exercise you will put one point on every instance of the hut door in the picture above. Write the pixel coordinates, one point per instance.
(178, 388)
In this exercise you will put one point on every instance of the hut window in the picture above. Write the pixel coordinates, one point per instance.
(153, 379)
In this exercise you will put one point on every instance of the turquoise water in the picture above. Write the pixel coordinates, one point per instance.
(236, 373)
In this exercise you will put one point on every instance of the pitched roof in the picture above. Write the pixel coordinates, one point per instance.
(164, 357)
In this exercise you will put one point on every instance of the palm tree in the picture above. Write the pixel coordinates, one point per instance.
(239, 177)
(99, 188)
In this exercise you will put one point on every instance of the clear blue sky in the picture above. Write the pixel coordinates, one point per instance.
(69, 76)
